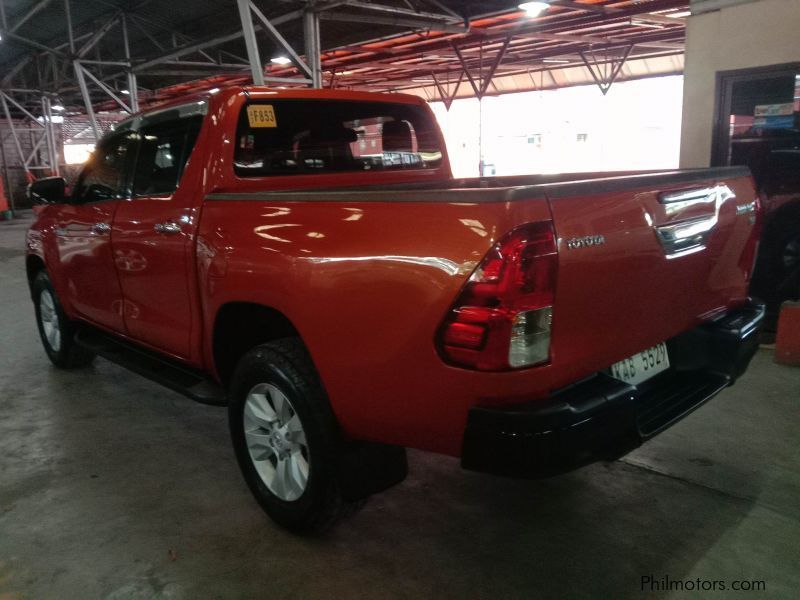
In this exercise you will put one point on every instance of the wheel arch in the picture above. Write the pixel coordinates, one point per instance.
(33, 265)
(239, 327)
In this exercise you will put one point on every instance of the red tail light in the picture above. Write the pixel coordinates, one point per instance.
(747, 261)
(501, 320)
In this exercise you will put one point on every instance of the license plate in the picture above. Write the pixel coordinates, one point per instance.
(642, 365)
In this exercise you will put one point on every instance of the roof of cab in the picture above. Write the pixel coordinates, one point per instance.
(259, 92)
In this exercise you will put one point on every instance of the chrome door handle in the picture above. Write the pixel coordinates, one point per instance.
(168, 227)
(101, 228)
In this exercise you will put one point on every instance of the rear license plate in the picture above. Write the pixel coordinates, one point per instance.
(642, 365)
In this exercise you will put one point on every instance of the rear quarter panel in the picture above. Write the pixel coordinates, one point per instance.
(367, 285)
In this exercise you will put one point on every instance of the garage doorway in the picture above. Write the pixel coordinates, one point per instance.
(755, 115)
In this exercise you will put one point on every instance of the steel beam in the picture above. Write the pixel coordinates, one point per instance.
(434, 20)
(131, 76)
(22, 109)
(105, 88)
(27, 16)
(313, 49)
(87, 99)
(98, 35)
(391, 20)
(27, 42)
(275, 35)
(52, 149)
(250, 41)
(70, 34)
(611, 69)
(13, 129)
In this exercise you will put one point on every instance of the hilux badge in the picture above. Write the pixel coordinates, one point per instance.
(583, 242)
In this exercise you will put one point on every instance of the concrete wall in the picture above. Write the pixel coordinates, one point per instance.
(753, 34)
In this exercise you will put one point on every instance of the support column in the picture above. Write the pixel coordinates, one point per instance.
(250, 41)
(313, 49)
(49, 131)
(134, 92)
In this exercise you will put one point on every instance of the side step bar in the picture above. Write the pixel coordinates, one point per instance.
(180, 378)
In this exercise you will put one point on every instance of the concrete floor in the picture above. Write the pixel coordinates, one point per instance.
(113, 487)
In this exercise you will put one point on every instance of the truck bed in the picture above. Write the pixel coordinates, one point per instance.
(355, 271)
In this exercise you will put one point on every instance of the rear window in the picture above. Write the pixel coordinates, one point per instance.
(287, 137)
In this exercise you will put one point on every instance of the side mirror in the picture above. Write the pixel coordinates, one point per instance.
(48, 190)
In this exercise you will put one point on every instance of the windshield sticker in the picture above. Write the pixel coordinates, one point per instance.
(261, 115)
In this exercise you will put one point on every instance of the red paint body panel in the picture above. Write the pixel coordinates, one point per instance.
(367, 277)
(86, 278)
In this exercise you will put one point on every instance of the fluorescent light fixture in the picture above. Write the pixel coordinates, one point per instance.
(125, 92)
(58, 107)
(645, 23)
(560, 61)
(534, 9)
(280, 60)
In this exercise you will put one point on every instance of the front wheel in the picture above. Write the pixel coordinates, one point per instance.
(286, 438)
(55, 329)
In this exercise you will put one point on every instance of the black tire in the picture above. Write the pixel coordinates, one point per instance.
(286, 365)
(64, 353)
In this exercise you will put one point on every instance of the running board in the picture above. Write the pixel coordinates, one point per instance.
(180, 378)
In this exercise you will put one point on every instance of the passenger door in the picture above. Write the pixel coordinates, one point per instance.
(153, 238)
(83, 234)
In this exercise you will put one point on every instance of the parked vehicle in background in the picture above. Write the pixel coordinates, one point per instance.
(777, 273)
(305, 257)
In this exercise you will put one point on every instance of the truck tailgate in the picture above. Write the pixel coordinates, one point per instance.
(644, 258)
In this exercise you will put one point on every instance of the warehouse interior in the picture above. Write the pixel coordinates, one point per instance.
(113, 486)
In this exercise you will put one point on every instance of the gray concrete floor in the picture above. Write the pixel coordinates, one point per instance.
(112, 487)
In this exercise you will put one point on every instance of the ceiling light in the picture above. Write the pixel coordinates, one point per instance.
(561, 61)
(534, 9)
(645, 23)
(125, 92)
(58, 107)
(280, 60)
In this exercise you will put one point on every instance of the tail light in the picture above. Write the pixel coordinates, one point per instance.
(747, 261)
(502, 317)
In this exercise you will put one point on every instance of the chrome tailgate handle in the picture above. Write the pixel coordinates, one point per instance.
(686, 236)
(101, 228)
(168, 227)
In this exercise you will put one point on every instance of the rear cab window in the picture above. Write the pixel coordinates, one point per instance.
(306, 137)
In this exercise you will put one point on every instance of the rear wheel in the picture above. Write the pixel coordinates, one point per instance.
(286, 437)
(55, 329)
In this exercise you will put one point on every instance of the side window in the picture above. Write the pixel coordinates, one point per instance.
(164, 149)
(105, 175)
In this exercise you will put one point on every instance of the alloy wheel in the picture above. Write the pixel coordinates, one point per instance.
(276, 441)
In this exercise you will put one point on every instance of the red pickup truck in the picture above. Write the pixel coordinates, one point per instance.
(306, 258)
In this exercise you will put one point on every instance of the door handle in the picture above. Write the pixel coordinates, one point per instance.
(101, 228)
(168, 227)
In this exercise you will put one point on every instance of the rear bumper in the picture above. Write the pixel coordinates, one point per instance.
(603, 418)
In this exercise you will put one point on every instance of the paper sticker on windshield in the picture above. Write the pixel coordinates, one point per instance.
(261, 115)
